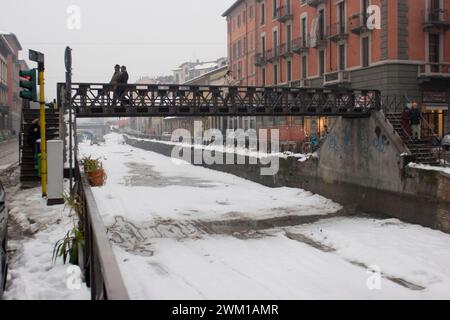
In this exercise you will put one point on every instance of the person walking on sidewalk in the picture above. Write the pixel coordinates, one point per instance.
(415, 119)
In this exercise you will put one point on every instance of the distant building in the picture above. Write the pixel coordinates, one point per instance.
(190, 70)
(10, 102)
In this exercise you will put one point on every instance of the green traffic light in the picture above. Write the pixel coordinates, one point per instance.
(30, 84)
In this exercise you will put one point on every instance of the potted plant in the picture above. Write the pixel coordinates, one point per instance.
(95, 171)
(72, 246)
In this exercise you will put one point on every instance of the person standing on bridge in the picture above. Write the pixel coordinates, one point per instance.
(415, 118)
(229, 81)
(122, 83)
(114, 81)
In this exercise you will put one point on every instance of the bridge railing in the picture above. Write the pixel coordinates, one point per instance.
(101, 270)
(105, 100)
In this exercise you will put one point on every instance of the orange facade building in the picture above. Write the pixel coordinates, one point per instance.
(401, 47)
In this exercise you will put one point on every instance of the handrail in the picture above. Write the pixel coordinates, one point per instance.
(101, 269)
(434, 135)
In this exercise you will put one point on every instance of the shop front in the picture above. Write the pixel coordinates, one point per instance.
(435, 108)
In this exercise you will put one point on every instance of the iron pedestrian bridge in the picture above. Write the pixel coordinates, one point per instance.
(137, 100)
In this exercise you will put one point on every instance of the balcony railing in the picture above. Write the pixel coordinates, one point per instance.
(358, 23)
(434, 70)
(437, 18)
(285, 50)
(338, 31)
(272, 54)
(337, 77)
(302, 83)
(283, 13)
(260, 59)
(300, 45)
(320, 39)
(314, 3)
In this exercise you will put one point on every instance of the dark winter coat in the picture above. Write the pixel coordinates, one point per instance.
(415, 116)
(123, 78)
(405, 122)
(34, 134)
(115, 78)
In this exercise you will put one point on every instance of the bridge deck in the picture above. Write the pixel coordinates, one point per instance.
(103, 100)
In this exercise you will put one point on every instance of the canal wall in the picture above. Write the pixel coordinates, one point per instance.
(361, 165)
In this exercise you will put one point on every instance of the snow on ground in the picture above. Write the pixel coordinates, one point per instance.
(237, 150)
(149, 203)
(32, 274)
(165, 190)
(418, 255)
(428, 167)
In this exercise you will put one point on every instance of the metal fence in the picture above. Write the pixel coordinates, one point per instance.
(100, 267)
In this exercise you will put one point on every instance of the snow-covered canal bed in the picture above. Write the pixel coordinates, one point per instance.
(175, 231)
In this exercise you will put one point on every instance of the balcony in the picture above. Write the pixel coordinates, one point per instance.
(285, 50)
(337, 78)
(283, 14)
(303, 83)
(300, 45)
(315, 3)
(358, 23)
(272, 54)
(436, 20)
(337, 32)
(260, 59)
(320, 40)
(431, 71)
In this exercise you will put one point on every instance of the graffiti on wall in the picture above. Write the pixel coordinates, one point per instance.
(380, 142)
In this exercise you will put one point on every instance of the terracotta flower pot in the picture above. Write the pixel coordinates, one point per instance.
(97, 178)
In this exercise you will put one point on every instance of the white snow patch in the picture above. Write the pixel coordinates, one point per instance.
(428, 167)
(32, 275)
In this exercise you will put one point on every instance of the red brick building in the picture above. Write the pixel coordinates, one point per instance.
(401, 47)
(10, 102)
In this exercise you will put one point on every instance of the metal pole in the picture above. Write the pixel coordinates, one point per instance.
(68, 106)
(41, 69)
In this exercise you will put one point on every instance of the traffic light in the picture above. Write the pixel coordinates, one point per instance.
(29, 84)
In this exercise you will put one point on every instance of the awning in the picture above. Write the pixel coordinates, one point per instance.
(436, 106)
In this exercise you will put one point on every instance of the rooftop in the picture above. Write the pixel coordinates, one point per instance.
(230, 9)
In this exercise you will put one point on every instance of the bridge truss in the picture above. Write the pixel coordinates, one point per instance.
(103, 100)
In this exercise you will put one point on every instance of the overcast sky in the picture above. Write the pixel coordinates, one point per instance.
(150, 37)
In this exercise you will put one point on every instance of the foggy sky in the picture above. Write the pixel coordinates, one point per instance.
(150, 37)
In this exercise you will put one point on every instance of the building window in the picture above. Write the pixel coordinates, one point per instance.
(263, 13)
(365, 52)
(288, 37)
(304, 67)
(289, 70)
(275, 40)
(275, 74)
(239, 21)
(263, 44)
(251, 12)
(321, 62)
(342, 57)
(434, 45)
(274, 9)
(263, 76)
(321, 25)
(304, 31)
(341, 17)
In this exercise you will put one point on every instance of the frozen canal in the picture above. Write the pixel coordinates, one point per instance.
(185, 232)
